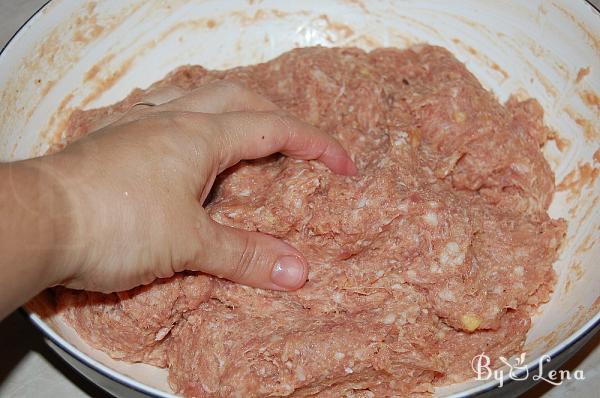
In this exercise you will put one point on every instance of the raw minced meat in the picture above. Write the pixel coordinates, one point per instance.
(134, 323)
(439, 250)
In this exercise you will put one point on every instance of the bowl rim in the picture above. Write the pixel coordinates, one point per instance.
(586, 330)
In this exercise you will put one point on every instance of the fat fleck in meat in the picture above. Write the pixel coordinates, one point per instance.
(440, 249)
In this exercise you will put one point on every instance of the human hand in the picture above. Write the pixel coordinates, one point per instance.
(135, 190)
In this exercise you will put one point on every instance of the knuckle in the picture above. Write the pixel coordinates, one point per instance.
(249, 256)
(194, 133)
(285, 123)
(282, 120)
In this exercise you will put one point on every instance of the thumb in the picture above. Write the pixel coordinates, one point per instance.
(250, 258)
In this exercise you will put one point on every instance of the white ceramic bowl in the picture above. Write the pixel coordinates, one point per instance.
(78, 54)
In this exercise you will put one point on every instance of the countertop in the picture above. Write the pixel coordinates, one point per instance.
(28, 368)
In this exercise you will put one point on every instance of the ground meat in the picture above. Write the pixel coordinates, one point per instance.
(132, 325)
(439, 250)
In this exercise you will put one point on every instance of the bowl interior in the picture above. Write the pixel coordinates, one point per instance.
(87, 54)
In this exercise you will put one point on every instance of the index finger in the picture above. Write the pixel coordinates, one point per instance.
(253, 135)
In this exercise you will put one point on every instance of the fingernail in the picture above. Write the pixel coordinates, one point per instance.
(288, 272)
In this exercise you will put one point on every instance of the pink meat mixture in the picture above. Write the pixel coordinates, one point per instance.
(439, 250)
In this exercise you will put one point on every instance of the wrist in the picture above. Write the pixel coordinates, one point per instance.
(45, 194)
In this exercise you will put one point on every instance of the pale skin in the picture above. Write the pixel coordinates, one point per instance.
(123, 206)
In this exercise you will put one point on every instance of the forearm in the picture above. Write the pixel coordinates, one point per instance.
(33, 212)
